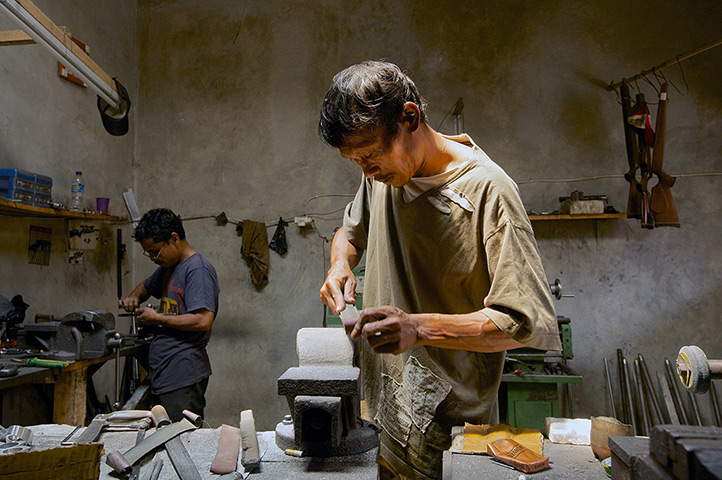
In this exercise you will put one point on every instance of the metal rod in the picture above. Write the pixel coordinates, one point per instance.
(715, 404)
(622, 387)
(668, 63)
(640, 395)
(668, 401)
(119, 262)
(609, 388)
(672, 382)
(695, 408)
(628, 391)
(650, 390)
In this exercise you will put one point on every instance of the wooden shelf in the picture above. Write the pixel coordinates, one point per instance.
(567, 216)
(17, 209)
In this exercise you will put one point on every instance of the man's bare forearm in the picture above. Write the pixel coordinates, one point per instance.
(343, 252)
(198, 321)
(472, 331)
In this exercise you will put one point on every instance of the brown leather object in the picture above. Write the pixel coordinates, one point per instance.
(518, 456)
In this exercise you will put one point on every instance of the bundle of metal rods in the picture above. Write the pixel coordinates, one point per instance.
(641, 405)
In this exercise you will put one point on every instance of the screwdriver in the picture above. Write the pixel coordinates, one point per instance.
(41, 362)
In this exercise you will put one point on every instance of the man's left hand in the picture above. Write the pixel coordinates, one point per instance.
(387, 329)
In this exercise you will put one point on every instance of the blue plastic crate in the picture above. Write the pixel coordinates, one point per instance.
(40, 200)
(17, 195)
(43, 184)
(15, 179)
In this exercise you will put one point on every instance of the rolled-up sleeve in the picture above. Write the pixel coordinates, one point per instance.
(519, 301)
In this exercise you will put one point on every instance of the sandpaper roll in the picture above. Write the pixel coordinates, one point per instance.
(160, 416)
(229, 445)
(323, 346)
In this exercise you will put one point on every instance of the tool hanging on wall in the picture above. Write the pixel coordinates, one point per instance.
(661, 203)
(655, 209)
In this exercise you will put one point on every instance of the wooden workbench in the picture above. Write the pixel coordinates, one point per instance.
(70, 384)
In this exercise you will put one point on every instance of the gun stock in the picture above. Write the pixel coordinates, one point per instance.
(661, 202)
(645, 168)
(634, 202)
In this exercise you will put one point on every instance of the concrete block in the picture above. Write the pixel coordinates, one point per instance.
(324, 381)
(574, 431)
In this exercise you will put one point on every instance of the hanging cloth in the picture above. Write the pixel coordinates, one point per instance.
(278, 242)
(254, 249)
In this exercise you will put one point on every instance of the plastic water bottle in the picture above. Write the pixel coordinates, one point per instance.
(76, 193)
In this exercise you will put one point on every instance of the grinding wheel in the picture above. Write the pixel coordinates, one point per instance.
(693, 369)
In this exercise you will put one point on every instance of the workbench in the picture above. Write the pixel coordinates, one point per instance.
(567, 461)
(70, 384)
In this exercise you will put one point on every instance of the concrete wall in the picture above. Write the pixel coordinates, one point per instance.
(225, 119)
(52, 127)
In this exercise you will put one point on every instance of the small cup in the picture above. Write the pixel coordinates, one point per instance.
(102, 203)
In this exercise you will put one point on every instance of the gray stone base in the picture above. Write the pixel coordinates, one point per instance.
(359, 440)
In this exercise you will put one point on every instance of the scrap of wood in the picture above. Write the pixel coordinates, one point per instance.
(15, 37)
(79, 462)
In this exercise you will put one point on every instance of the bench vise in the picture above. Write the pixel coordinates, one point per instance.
(81, 335)
(323, 396)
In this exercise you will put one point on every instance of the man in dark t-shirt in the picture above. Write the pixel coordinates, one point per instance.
(187, 286)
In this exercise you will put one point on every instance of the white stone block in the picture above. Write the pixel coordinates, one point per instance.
(574, 431)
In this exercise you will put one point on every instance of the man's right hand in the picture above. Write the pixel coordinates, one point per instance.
(339, 288)
(129, 304)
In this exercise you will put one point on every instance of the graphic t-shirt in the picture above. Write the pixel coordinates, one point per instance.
(178, 358)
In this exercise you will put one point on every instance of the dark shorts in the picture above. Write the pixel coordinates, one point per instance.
(190, 398)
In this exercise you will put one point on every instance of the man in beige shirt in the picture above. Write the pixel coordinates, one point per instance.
(453, 273)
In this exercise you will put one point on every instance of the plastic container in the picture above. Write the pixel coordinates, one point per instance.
(43, 185)
(15, 179)
(76, 193)
(17, 185)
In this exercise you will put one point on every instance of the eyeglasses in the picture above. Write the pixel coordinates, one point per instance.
(154, 256)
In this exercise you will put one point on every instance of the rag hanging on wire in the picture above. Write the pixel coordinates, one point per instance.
(254, 250)
(278, 242)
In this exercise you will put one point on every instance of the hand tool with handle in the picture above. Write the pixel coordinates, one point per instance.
(92, 431)
(179, 457)
(41, 362)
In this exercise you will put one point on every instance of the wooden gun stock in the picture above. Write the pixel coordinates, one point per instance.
(661, 202)
(634, 202)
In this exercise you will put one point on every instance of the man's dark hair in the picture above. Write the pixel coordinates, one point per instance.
(159, 224)
(367, 98)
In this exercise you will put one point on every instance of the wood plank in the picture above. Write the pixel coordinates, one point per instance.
(69, 403)
(15, 37)
(58, 33)
(8, 207)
